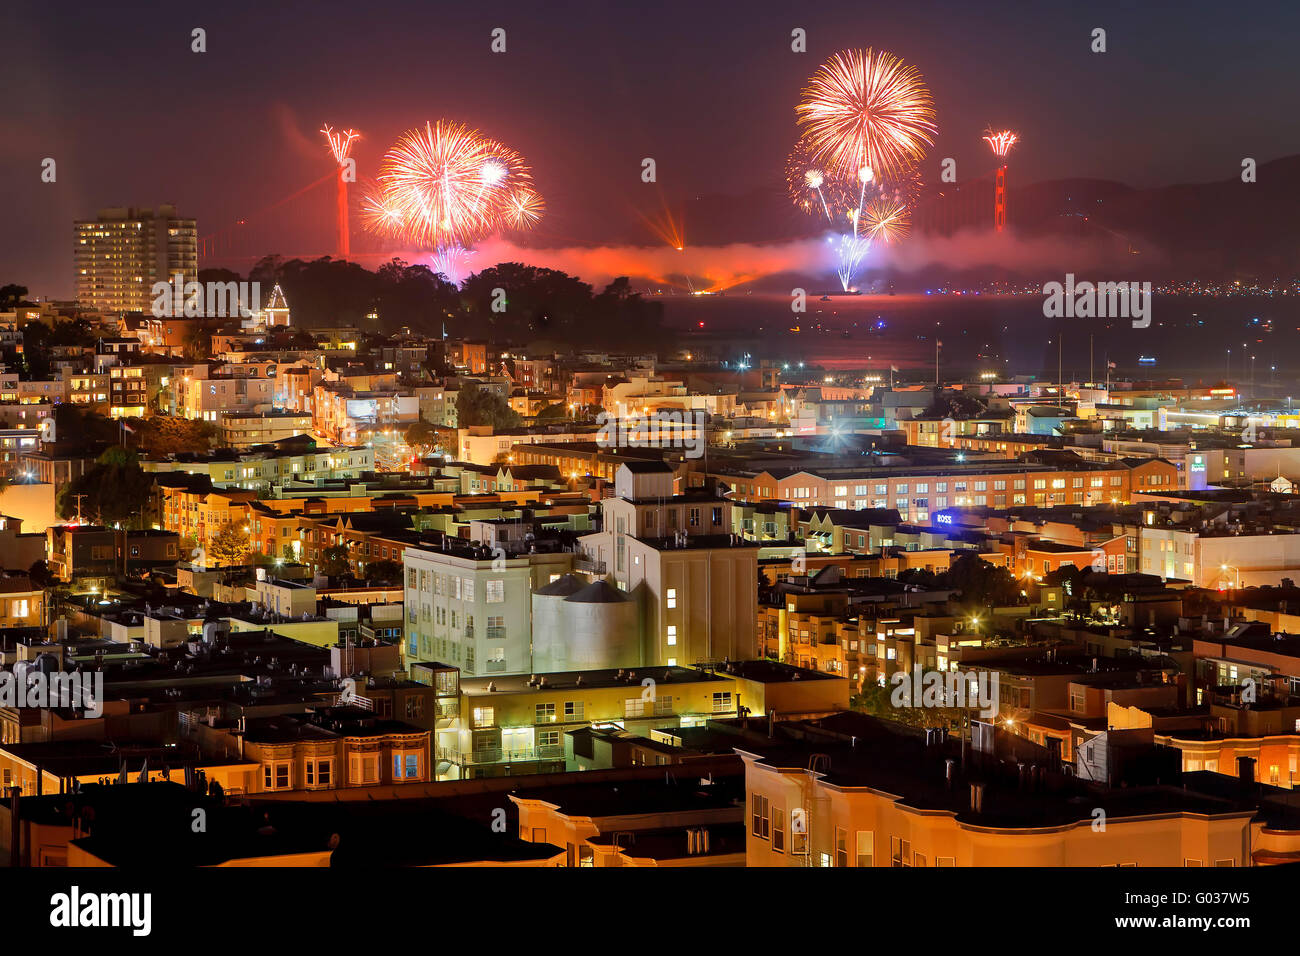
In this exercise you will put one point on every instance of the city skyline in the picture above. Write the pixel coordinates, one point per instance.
(691, 437)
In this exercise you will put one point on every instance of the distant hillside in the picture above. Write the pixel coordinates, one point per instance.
(1215, 230)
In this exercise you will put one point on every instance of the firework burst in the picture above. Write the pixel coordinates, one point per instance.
(862, 208)
(867, 108)
(524, 208)
(885, 218)
(448, 186)
(813, 190)
(378, 214)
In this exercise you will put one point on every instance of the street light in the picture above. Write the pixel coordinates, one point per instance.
(1237, 576)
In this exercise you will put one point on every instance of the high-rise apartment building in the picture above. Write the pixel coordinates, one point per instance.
(121, 254)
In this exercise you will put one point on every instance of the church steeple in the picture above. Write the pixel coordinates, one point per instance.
(276, 312)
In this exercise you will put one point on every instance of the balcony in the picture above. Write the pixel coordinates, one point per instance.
(589, 565)
(500, 755)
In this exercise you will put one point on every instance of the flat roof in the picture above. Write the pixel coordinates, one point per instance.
(569, 680)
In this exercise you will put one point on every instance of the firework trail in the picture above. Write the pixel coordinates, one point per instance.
(452, 263)
(448, 186)
(867, 108)
(1002, 142)
(850, 250)
(340, 144)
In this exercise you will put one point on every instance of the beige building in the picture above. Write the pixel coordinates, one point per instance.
(468, 604)
(861, 795)
(695, 582)
(244, 429)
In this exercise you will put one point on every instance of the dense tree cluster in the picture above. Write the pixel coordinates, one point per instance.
(482, 406)
(533, 303)
(981, 584)
(115, 490)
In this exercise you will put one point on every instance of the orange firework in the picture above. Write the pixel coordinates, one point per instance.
(885, 218)
(340, 143)
(1002, 142)
(448, 185)
(867, 109)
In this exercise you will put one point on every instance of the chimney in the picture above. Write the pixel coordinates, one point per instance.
(1246, 771)
(949, 772)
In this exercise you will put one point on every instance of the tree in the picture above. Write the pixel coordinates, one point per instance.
(114, 491)
(878, 701)
(167, 434)
(920, 577)
(334, 561)
(422, 434)
(12, 296)
(230, 544)
(384, 572)
(480, 406)
(981, 584)
(40, 574)
(39, 338)
(955, 405)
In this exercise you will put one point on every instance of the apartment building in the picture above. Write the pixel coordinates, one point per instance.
(469, 604)
(22, 603)
(637, 823)
(1221, 558)
(206, 393)
(1043, 480)
(265, 467)
(122, 252)
(326, 749)
(984, 436)
(577, 455)
(94, 555)
(514, 723)
(849, 791)
(348, 413)
(695, 581)
(246, 429)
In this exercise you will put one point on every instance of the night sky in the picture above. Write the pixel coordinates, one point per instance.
(584, 91)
